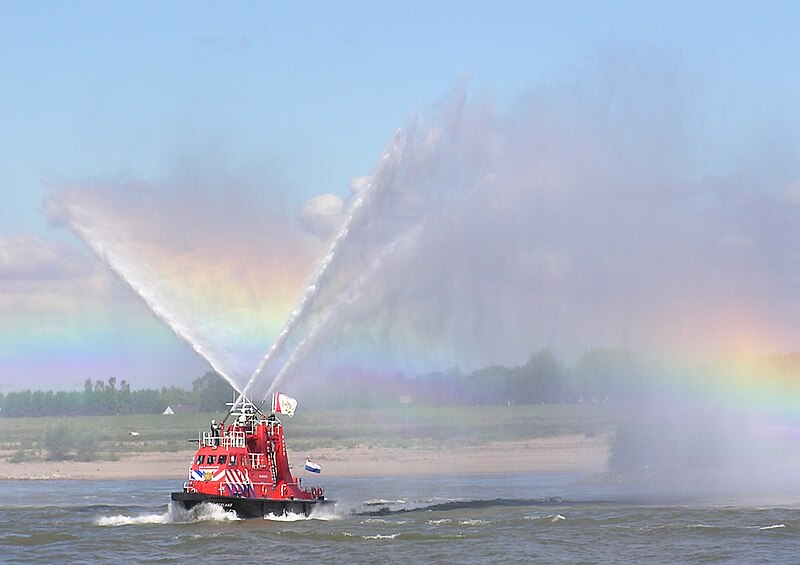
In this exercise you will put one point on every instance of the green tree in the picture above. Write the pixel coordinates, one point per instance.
(605, 372)
(211, 392)
(539, 380)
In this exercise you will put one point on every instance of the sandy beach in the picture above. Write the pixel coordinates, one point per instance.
(569, 453)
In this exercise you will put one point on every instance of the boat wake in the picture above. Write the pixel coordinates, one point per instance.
(467, 504)
(324, 514)
(175, 514)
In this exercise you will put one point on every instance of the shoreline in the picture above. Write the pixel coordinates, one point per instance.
(568, 453)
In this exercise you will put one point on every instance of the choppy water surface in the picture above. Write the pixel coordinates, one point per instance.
(537, 518)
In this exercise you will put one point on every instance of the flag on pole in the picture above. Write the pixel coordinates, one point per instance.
(283, 404)
(313, 467)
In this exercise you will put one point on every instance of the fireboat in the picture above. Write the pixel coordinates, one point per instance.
(243, 466)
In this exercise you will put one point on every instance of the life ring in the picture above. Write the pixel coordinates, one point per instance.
(314, 492)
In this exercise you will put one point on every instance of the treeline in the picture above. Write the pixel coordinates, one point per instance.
(599, 375)
(208, 393)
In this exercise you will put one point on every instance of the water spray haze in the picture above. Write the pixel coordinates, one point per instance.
(575, 220)
(157, 302)
(224, 291)
(325, 324)
(299, 316)
(720, 430)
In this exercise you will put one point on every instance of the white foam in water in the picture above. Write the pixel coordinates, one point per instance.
(550, 518)
(209, 512)
(288, 517)
(133, 520)
(383, 521)
(321, 513)
(327, 512)
(380, 536)
(382, 501)
(773, 527)
(174, 514)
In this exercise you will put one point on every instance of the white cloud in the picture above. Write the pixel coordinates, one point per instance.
(322, 215)
(42, 279)
(358, 184)
(31, 259)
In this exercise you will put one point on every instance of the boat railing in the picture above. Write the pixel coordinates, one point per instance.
(257, 461)
(233, 439)
(228, 439)
(207, 438)
(314, 490)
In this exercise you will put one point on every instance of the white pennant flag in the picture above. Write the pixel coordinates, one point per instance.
(283, 404)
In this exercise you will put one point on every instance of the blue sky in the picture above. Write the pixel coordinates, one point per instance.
(103, 88)
(310, 93)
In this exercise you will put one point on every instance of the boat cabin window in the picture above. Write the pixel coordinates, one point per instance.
(200, 459)
(232, 462)
(211, 460)
(222, 459)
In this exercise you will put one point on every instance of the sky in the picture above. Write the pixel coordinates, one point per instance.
(566, 175)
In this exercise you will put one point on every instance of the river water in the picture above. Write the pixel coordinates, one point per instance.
(544, 518)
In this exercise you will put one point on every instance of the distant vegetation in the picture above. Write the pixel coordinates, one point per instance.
(86, 438)
(89, 438)
(541, 398)
(208, 393)
(62, 443)
(601, 375)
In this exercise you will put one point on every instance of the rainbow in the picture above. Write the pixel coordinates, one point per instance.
(225, 295)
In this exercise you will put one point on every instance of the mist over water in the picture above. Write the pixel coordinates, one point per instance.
(699, 448)
(320, 276)
(209, 260)
(159, 304)
(579, 218)
(582, 216)
(324, 324)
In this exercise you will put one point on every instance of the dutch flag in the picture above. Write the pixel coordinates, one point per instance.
(313, 467)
